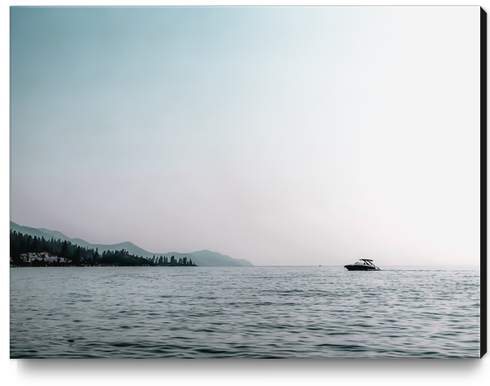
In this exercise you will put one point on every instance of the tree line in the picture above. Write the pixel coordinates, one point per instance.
(32, 251)
(164, 261)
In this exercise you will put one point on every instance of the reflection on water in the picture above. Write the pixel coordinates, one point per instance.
(249, 312)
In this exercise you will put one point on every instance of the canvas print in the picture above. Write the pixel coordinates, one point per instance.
(246, 182)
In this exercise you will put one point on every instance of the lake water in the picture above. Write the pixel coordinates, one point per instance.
(249, 312)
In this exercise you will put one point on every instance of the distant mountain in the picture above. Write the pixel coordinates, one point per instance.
(203, 258)
(211, 259)
(37, 232)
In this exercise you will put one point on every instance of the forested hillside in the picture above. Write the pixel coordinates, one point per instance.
(32, 251)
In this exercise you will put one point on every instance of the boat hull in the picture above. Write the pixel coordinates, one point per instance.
(353, 267)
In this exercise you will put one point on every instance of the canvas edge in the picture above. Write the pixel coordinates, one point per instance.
(483, 171)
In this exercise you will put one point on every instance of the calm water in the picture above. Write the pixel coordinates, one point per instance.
(252, 312)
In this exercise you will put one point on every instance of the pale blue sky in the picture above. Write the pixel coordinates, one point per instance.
(278, 135)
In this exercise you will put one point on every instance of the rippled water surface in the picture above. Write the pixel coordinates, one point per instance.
(250, 312)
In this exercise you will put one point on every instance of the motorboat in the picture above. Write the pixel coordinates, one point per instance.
(362, 265)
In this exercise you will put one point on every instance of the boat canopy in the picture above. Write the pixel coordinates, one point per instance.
(365, 262)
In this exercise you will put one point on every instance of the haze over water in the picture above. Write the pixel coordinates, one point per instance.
(282, 135)
(250, 312)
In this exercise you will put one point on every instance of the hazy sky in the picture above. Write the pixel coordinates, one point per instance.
(284, 136)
